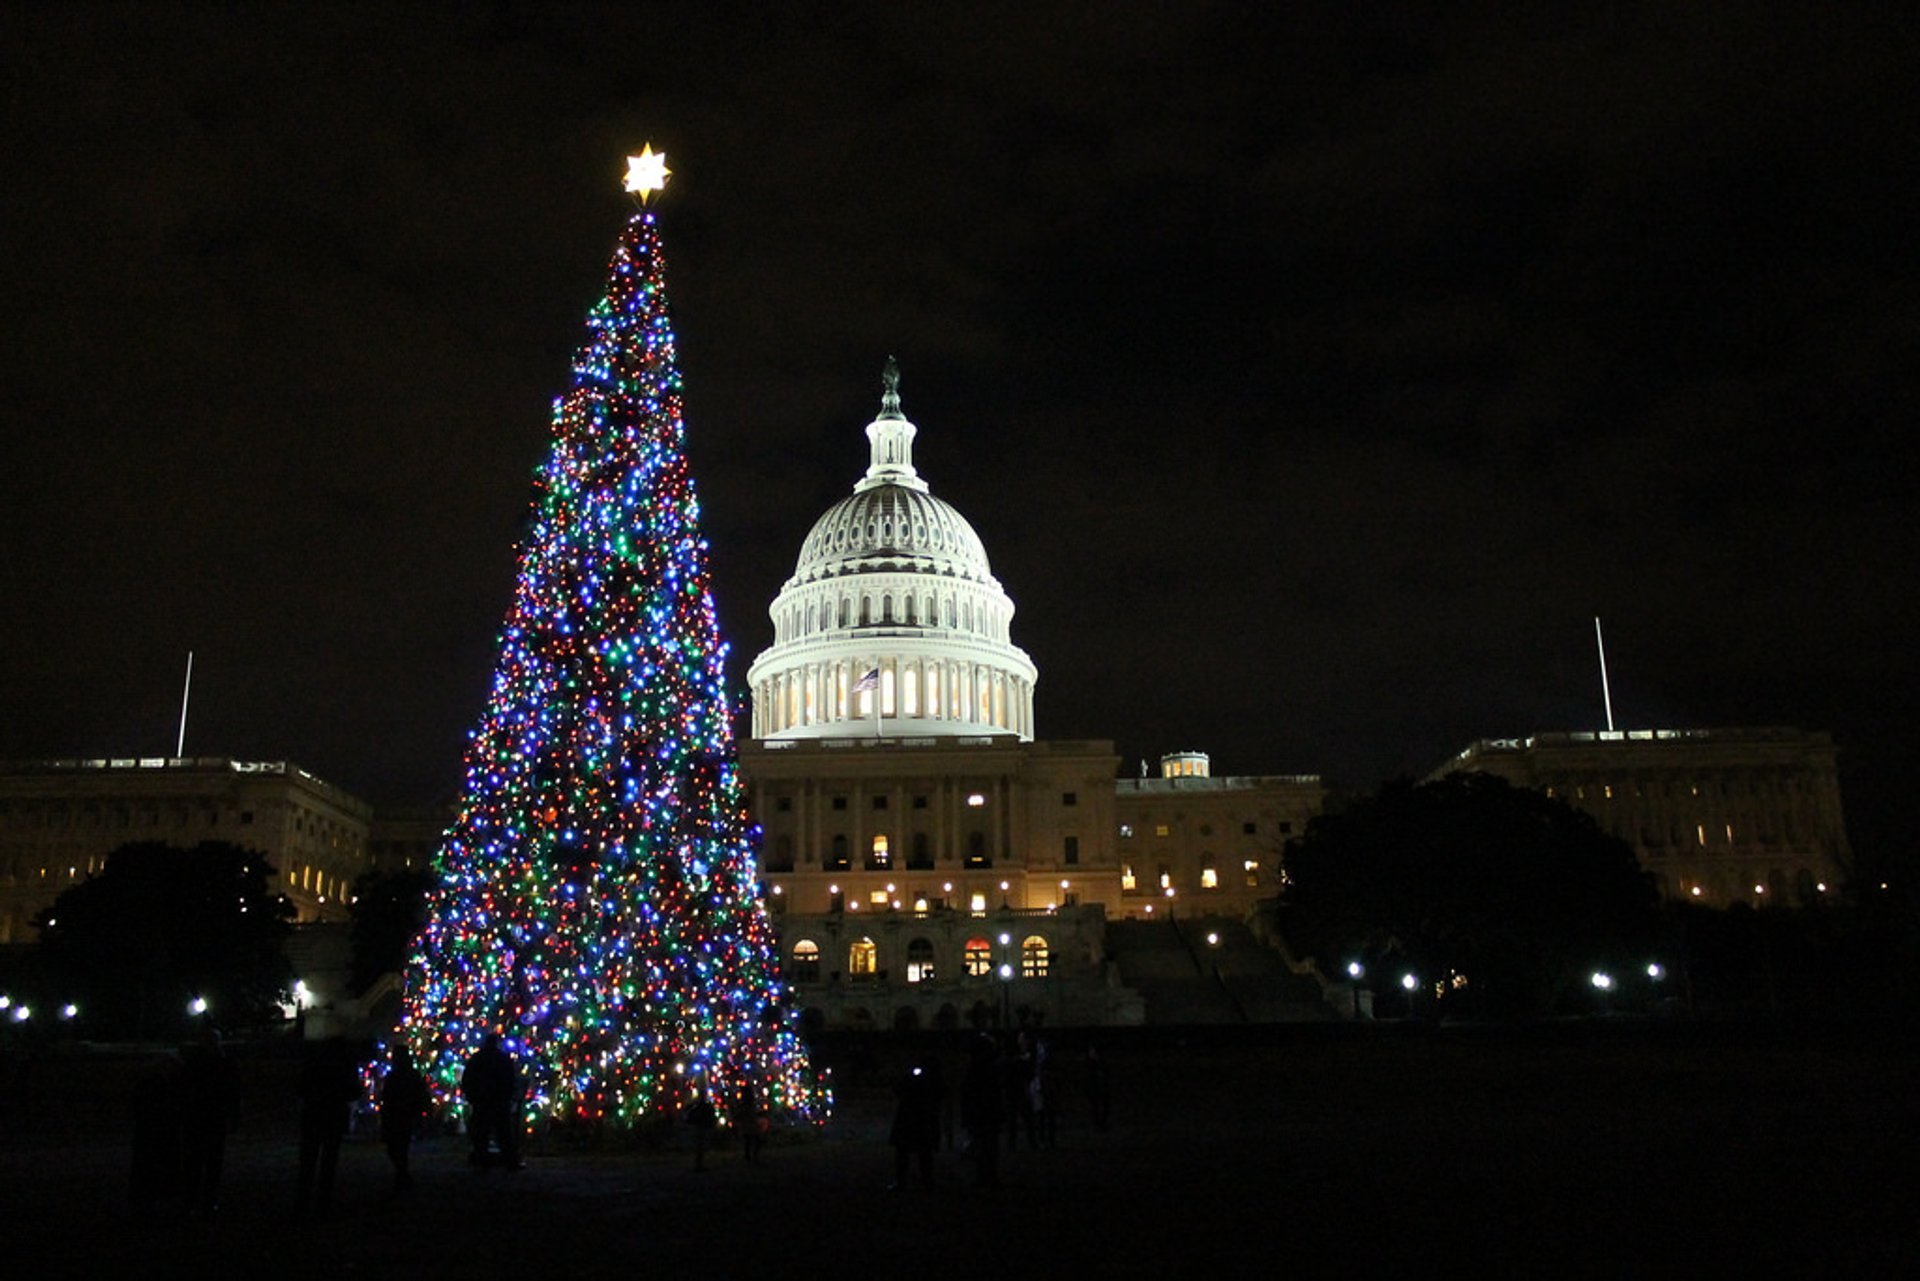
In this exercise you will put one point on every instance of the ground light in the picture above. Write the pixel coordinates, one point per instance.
(1603, 981)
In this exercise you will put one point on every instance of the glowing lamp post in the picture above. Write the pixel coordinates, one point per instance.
(1411, 985)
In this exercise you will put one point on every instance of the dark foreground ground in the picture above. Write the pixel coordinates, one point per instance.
(1590, 1150)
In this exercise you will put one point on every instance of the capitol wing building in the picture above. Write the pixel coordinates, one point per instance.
(927, 857)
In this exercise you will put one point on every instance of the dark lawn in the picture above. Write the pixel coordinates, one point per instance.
(1579, 1150)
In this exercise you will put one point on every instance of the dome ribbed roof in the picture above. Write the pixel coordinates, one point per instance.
(892, 527)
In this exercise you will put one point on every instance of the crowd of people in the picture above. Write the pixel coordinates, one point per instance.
(971, 1096)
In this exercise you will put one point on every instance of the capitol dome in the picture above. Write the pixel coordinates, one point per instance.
(892, 623)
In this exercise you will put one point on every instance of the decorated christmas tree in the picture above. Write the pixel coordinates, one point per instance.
(596, 903)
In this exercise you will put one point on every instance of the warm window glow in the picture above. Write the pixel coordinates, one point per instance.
(920, 961)
(1166, 879)
(806, 962)
(880, 854)
(975, 800)
(1034, 957)
(1126, 877)
(978, 957)
(1209, 879)
(878, 898)
(977, 904)
(863, 957)
(1253, 872)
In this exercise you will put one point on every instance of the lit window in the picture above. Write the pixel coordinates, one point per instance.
(1253, 872)
(1166, 879)
(977, 904)
(1034, 957)
(979, 958)
(806, 962)
(975, 800)
(1209, 879)
(1126, 877)
(880, 854)
(1161, 829)
(919, 961)
(863, 957)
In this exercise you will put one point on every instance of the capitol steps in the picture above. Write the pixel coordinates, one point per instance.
(1210, 970)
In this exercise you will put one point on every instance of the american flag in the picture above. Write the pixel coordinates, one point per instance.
(870, 681)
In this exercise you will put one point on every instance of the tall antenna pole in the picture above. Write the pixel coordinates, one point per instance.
(1605, 693)
(180, 747)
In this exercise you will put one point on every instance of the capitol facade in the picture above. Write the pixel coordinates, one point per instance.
(928, 858)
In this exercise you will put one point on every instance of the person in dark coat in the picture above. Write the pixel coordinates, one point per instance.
(916, 1120)
(751, 1119)
(491, 1083)
(156, 1135)
(980, 1096)
(704, 1118)
(403, 1101)
(209, 1105)
(328, 1087)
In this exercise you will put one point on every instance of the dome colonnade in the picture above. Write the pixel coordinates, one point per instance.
(892, 622)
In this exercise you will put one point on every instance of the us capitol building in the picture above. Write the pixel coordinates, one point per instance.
(928, 859)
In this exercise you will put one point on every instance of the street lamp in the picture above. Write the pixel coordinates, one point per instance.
(1355, 972)
(1410, 983)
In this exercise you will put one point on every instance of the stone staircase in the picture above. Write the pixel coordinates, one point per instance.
(1210, 970)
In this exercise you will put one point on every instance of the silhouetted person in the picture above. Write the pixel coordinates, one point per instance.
(1016, 1074)
(1098, 1087)
(1043, 1094)
(328, 1087)
(403, 1101)
(752, 1120)
(491, 1083)
(209, 1105)
(916, 1120)
(156, 1135)
(703, 1118)
(980, 1095)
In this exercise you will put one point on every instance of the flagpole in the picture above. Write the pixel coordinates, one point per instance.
(1606, 694)
(180, 745)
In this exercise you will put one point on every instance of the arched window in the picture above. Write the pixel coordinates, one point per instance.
(862, 958)
(919, 961)
(880, 859)
(805, 967)
(978, 957)
(1034, 957)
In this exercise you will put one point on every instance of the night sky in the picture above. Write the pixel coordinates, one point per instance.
(1314, 376)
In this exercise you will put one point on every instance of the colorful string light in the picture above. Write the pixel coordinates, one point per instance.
(597, 902)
